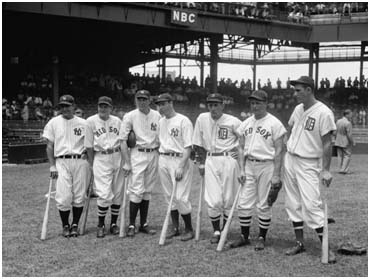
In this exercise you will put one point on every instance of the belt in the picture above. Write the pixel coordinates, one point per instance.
(218, 154)
(110, 150)
(146, 149)
(172, 154)
(76, 156)
(255, 160)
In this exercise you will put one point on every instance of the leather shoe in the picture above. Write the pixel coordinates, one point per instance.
(260, 245)
(131, 231)
(216, 237)
(145, 229)
(100, 233)
(296, 249)
(187, 236)
(74, 231)
(66, 231)
(114, 229)
(174, 232)
(241, 241)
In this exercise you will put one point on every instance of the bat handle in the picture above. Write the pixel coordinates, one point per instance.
(46, 214)
(122, 226)
(199, 216)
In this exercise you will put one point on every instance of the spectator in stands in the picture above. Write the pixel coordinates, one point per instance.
(15, 110)
(39, 115)
(259, 84)
(356, 83)
(362, 116)
(278, 82)
(327, 83)
(349, 82)
(25, 113)
(346, 9)
(249, 84)
(322, 83)
(288, 83)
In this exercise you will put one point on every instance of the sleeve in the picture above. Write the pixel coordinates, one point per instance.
(236, 125)
(291, 119)
(278, 130)
(89, 136)
(187, 127)
(197, 135)
(349, 129)
(240, 130)
(49, 131)
(327, 123)
(126, 127)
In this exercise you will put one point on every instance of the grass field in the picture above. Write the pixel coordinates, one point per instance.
(24, 254)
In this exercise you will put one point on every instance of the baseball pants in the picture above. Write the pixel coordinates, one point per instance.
(166, 167)
(73, 180)
(302, 186)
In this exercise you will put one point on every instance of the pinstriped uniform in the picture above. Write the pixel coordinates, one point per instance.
(73, 174)
(108, 174)
(144, 164)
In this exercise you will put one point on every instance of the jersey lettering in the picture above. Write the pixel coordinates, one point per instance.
(248, 131)
(174, 132)
(222, 133)
(310, 124)
(153, 127)
(77, 131)
(113, 130)
(266, 134)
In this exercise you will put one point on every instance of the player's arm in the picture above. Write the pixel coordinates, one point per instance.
(185, 159)
(326, 159)
(278, 160)
(350, 135)
(241, 159)
(50, 155)
(125, 129)
(89, 143)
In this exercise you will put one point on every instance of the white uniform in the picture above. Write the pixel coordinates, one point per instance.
(218, 138)
(73, 171)
(175, 134)
(144, 156)
(303, 163)
(103, 137)
(259, 153)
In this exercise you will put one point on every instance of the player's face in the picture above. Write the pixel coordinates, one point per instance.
(67, 111)
(302, 93)
(258, 107)
(215, 109)
(142, 103)
(164, 108)
(104, 111)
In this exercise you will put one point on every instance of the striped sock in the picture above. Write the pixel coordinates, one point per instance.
(245, 223)
(102, 211)
(298, 230)
(114, 210)
(216, 223)
(319, 232)
(264, 225)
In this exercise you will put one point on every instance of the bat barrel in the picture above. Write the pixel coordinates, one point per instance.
(162, 238)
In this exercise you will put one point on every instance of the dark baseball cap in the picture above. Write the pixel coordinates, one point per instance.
(142, 94)
(305, 80)
(66, 100)
(165, 97)
(105, 100)
(259, 95)
(215, 98)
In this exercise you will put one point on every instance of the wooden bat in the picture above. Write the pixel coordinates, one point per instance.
(199, 215)
(162, 238)
(46, 214)
(225, 231)
(122, 224)
(325, 237)
(87, 205)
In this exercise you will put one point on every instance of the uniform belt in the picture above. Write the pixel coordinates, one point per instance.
(172, 154)
(76, 156)
(110, 150)
(255, 160)
(146, 149)
(218, 154)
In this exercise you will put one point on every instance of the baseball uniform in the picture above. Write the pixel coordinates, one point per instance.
(219, 138)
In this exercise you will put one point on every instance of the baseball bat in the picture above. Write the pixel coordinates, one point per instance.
(325, 237)
(162, 238)
(46, 214)
(199, 216)
(87, 206)
(122, 224)
(225, 231)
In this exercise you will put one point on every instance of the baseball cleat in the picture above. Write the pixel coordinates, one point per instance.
(216, 237)
(66, 231)
(114, 229)
(174, 232)
(187, 236)
(74, 231)
(296, 249)
(131, 231)
(145, 229)
(100, 233)
(240, 242)
(260, 245)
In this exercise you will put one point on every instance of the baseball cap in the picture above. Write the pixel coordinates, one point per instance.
(142, 94)
(215, 98)
(105, 100)
(304, 80)
(165, 97)
(259, 95)
(66, 100)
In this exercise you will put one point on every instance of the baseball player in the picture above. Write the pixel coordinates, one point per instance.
(104, 155)
(307, 161)
(65, 135)
(174, 166)
(216, 143)
(261, 137)
(142, 160)
(344, 141)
